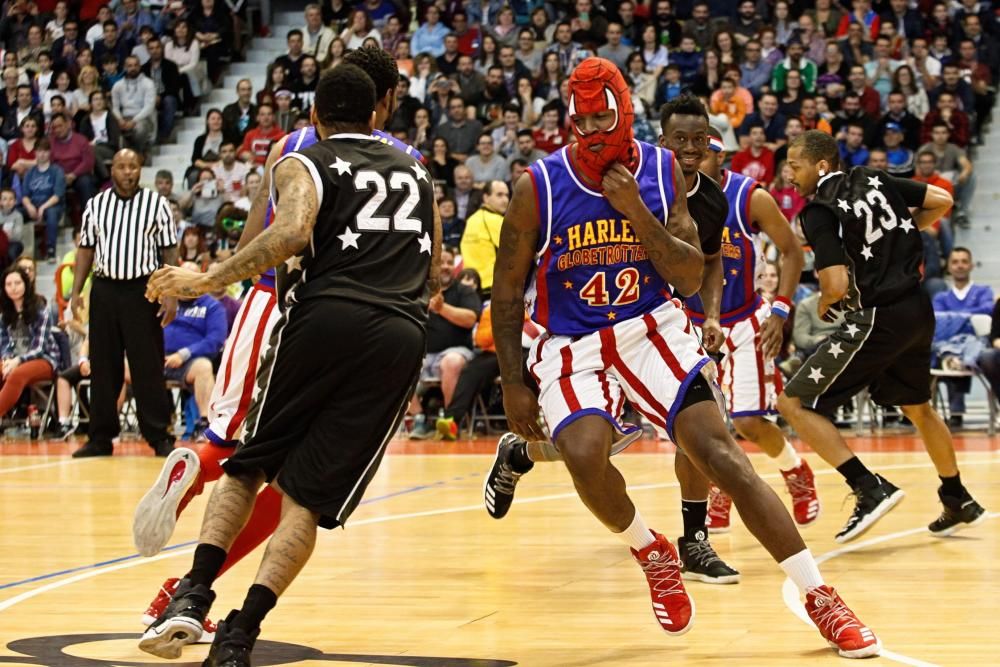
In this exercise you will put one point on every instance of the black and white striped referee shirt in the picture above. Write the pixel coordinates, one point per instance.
(127, 234)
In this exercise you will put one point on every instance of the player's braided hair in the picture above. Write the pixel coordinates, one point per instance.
(682, 105)
(345, 94)
(816, 145)
(379, 65)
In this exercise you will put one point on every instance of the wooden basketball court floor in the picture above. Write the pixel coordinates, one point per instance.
(424, 577)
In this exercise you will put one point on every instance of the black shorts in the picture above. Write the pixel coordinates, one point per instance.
(333, 388)
(884, 348)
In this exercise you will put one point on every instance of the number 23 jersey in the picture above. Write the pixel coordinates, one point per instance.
(862, 219)
(591, 268)
(373, 234)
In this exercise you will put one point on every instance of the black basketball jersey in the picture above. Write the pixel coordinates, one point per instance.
(374, 230)
(876, 229)
(709, 208)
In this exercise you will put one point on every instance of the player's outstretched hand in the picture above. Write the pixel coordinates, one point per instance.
(620, 189)
(712, 337)
(178, 282)
(770, 337)
(521, 407)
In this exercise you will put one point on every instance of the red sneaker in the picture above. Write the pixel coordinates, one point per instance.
(839, 626)
(156, 514)
(802, 487)
(719, 506)
(672, 606)
(159, 604)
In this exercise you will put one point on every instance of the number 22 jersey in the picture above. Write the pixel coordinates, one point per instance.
(373, 234)
(591, 268)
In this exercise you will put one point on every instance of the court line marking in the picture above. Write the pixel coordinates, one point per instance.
(889, 655)
(36, 466)
(790, 592)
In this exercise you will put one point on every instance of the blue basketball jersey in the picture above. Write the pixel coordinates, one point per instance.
(591, 268)
(387, 138)
(741, 255)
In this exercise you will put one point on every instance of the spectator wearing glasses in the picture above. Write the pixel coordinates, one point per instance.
(459, 130)
(72, 152)
(65, 48)
(316, 37)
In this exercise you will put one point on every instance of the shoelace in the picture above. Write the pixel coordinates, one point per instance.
(799, 487)
(506, 479)
(703, 553)
(719, 504)
(834, 617)
(665, 575)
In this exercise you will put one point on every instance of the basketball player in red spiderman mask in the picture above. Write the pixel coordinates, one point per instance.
(601, 231)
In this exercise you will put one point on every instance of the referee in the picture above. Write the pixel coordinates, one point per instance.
(127, 233)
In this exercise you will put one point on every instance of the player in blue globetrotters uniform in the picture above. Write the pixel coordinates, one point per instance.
(604, 226)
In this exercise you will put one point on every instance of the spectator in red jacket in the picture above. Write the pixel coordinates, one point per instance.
(550, 137)
(72, 152)
(756, 160)
(948, 113)
(257, 142)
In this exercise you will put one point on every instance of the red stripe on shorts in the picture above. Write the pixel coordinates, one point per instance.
(760, 360)
(661, 346)
(232, 348)
(606, 389)
(251, 375)
(565, 385)
(610, 353)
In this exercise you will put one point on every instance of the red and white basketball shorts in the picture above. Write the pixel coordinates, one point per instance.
(650, 360)
(235, 384)
(749, 382)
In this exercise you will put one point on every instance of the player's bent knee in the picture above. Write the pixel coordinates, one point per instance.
(749, 427)
(918, 412)
(727, 465)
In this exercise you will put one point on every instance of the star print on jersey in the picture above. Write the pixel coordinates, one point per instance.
(349, 239)
(645, 280)
(852, 330)
(294, 263)
(568, 285)
(906, 224)
(557, 240)
(612, 315)
(842, 204)
(867, 253)
(420, 172)
(425, 243)
(874, 182)
(343, 167)
(816, 375)
(835, 350)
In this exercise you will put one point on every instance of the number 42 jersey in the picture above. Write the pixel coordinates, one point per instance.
(373, 236)
(591, 268)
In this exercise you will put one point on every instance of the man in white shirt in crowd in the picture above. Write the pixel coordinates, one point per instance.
(230, 172)
(316, 37)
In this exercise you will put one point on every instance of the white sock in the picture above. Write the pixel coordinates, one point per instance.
(802, 569)
(788, 458)
(637, 535)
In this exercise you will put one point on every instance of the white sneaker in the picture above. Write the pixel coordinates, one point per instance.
(156, 514)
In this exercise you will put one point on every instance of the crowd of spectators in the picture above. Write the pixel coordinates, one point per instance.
(904, 85)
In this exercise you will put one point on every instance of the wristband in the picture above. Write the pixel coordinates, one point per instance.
(781, 307)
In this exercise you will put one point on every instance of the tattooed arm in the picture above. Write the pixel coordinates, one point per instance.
(258, 207)
(286, 236)
(674, 248)
(515, 257)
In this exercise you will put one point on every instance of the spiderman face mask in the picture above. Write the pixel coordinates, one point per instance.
(596, 85)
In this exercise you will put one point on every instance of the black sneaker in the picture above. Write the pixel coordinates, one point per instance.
(63, 431)
(498, 487)
(232, 646)
(958, 513)
(872, 500)
(163, 447)
(181, 623)
(699, 562)
(93, 448)
(200, 426)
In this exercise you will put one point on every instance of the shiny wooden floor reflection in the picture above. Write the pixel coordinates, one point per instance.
(422, 576)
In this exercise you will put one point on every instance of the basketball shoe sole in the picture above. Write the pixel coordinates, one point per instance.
(156, 514)
(880, 511)
(167, 639)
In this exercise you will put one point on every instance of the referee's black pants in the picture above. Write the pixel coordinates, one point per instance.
(123, 322)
